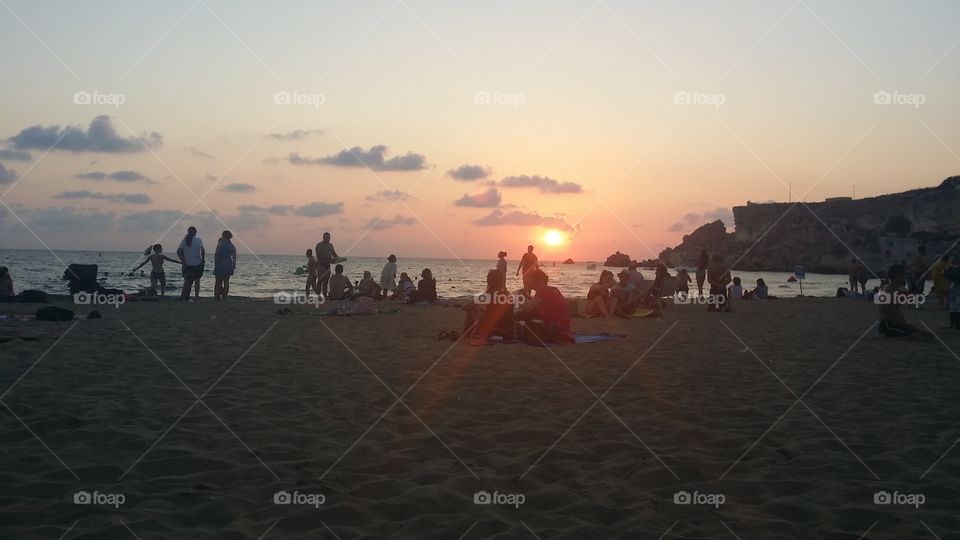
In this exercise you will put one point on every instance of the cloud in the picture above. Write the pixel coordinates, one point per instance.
(314, 209)
(542, 183)
(239, 188)
(488, 199)
(129, 198)
(7, 176)
(15, 155)
(196, 152)
(358, 157)
(394, 195)
(469, 173)
(295, 135)
(100, 136)
(693, 220)
(498, 218)
(382, 224)
(119, 176)
(208, 223)
(67, 220)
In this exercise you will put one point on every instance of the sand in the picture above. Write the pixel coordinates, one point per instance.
(310, 404)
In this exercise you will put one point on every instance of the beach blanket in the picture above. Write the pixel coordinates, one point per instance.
(580, 339)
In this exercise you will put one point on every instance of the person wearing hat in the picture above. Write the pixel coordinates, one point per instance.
(388, 276)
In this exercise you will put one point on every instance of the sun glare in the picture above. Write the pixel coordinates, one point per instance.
(553, 237)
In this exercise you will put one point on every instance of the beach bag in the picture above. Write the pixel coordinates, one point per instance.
(54, 313)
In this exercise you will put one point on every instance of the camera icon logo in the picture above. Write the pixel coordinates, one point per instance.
(882, 497)
(82, 98)
(282, 298)
(83, 298)
(682, 98)
(483, 98)
(282, 98)
(81, 497)
(482, 497)
(882, 98)
(682, 497)
(282, 497)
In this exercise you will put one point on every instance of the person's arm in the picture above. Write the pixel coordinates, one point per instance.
(169, 259)
(531, 304)
(180, 254)
(145, 261)
(203, 254)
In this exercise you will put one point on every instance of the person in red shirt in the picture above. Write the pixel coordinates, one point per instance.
(547, 304)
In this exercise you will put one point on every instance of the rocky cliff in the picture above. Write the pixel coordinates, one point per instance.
(825, 236)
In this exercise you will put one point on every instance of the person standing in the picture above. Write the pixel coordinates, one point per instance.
(528, 263)
(719, 277)
(192, 255)
(311, 275)
(326, 256)
(388, 276)
(502, 270)
(921, 266)
(702, 262)
(224, 264)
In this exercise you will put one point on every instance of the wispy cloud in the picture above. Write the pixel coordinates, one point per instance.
(374, 159)
(295, 135)
(543, 183)
(100, 136)
(7, 176)
(388, 195)
(15, 155)
(488, 199)
(118, 176)
(499, 218)
(196, 152)
(237, 187)
(129, 198)
(380, 224)
(314, 209)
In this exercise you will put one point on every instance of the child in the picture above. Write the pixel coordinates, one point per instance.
(311, 275)
(388, 275)
(156, 272)
(736, 290)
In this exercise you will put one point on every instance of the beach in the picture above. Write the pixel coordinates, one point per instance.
(787, 418)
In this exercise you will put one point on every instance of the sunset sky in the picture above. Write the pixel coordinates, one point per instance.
(456, 129)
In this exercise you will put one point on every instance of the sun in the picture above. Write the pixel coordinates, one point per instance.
(553, 237)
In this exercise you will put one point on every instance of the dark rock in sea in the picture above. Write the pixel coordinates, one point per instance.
(618, 260)
(568, 261)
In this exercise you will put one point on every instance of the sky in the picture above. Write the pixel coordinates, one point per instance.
(457, 129)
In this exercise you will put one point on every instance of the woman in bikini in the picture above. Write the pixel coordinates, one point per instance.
(154, 255)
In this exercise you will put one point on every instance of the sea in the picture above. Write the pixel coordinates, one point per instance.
(263, 276)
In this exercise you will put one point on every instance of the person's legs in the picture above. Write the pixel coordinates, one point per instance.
(324, 278)
(187, 282)
(162, 278)
(225, 290)
(217, 287)
(196, 288)
(153, 281)
(701, 277)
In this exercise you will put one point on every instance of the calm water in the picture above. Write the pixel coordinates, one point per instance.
(33, 269)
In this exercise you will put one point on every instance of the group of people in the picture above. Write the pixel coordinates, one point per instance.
(192, 259)
(337, 286)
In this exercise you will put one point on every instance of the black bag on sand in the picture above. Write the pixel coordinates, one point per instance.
(33, 296)
(54, 313)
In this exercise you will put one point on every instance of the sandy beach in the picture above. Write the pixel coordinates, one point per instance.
(199, 414)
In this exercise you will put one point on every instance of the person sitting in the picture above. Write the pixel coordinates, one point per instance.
(600, 303)
(426, 288)
(761, 292)
(548, 306)
(636, 278)
(6, 282)
(405, 288)
(490, 314)
(892, 321)
(340, 287)
(629, 297)
(683, 282)
(736, 290)
(368, 286)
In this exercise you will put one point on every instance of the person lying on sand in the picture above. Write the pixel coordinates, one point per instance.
(892, 321)
(154, 255)
(491, 313)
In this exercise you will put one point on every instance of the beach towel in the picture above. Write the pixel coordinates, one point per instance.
(595, 338)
